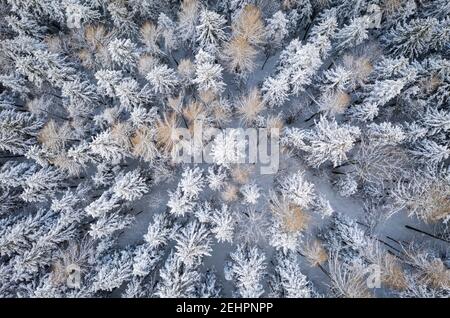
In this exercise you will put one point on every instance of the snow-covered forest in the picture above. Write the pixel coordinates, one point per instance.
(94, 95)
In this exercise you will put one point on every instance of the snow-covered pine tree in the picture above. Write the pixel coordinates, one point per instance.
(94, 96)
(187, 20)
(123, 52)
(112, 271)
(412, 38)
(130, 186)
(162, 79)
(17, 131)
(354, 33)
(209, 286)
(208, 74)
(224, 224)
(167, 29)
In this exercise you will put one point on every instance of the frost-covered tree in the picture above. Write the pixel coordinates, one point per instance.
(216, 177)
(40, 185)
(348, 280)
(130, 186)
(412, 38)
(193, 243)
(381, 92)
(15, 83)
(149, 37)
(298, 190)
(247, 269)
(13, 174)
(228, 148)
(122, 51)
(192, 182)
(276, 29)
(347, 186)
(22, 232)
(385, 134)
(122, 17)
(437, 120)
(130, 94)
(179, 203)
(167, 30)
(177, 280)
(431, 270)
(249, 25)
(107, 148)
(223, 224)
(250, 106)
(182, 201)
(104, 204)
(108, 224)
(158, 232)
(288, 281)
(145, 260)
(187, 20)
(424, 196)
(209, 286)
(240, 56)
(78, 13)
(347, 237)
(430, 152)
(162, 79)
(208, 75)
(276, 90)
(104, 104)
(17, 131)
(329, 141)
(211, 30)
(299, 63)
(107, 80)
(354, 33)
(112, 271)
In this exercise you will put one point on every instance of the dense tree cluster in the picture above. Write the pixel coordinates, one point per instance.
(99, 98)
